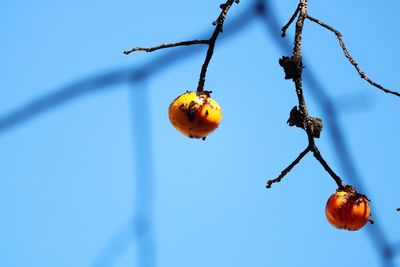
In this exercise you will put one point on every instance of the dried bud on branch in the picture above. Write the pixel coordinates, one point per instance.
(292, 70)
(315, 125)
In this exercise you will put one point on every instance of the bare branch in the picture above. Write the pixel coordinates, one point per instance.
(288, 168)
(297, 56)
(151, 49)
(350, 58)
(210, 42)
(293, 67)
(324, 164)
(292, 18)
(218, 29)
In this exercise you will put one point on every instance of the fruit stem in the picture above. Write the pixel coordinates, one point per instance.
(211, 43)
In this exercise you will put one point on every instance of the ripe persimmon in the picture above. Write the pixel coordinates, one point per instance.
(346, 209)
(195, 114)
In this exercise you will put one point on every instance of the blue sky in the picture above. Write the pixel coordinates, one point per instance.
(75, 178)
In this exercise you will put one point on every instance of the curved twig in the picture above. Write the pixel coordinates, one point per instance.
(350, 58)
(292, 18)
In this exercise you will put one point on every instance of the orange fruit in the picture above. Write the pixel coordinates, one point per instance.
(346, 209)
(195, 114)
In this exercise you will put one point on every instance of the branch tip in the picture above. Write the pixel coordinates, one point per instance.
(292, 18)
(288, 168)
(168, 45)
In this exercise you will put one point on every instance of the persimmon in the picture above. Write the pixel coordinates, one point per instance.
(195, 114)
(348, 210)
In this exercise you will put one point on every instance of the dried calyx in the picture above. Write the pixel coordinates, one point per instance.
(298, 119)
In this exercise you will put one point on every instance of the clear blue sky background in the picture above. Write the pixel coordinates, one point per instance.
(68, 190)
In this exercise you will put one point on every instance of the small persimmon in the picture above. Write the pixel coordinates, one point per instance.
(195, 114)
(348, 210)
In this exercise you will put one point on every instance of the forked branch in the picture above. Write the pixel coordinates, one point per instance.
(218, 23)
(314, 149)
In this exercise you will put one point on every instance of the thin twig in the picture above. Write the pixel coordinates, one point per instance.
(288, 168)
(324, 164)
(292, 18)
(218, 29)
(151, 49)
(350, 58)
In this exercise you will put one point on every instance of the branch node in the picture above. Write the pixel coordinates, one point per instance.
(299, 119)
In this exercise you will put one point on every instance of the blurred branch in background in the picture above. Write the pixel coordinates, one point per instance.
(138, 231)
(144, 176)
(115, 246)
(343, 155)
(354, 102)
(63, 95)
